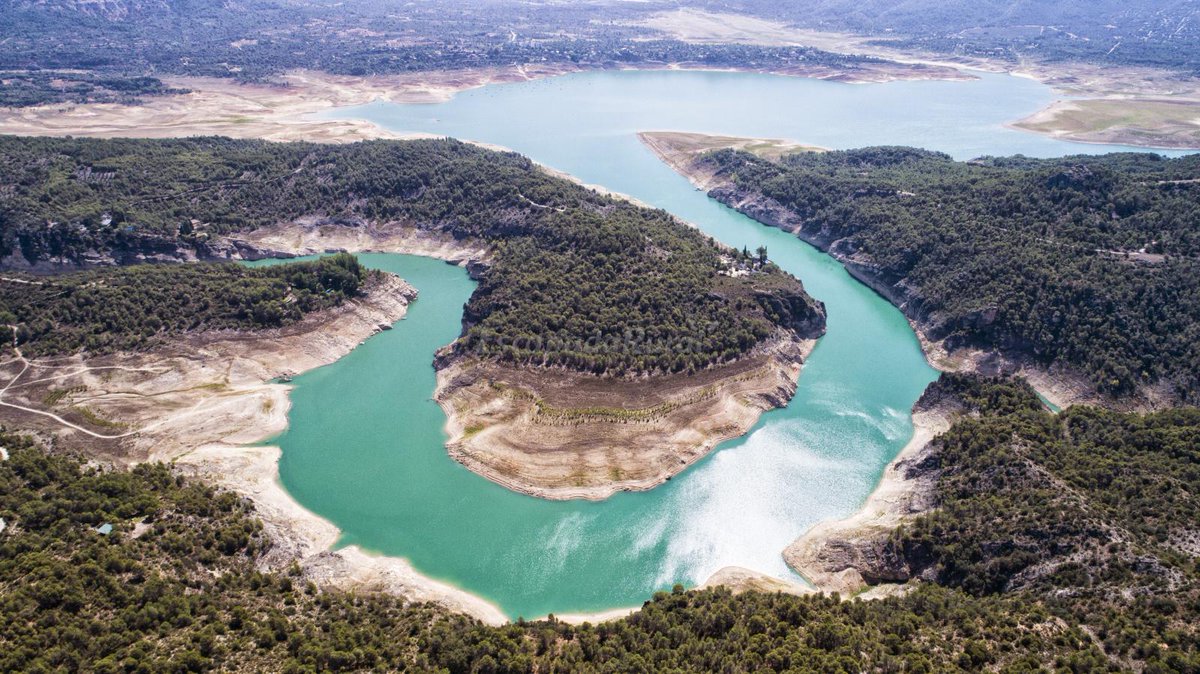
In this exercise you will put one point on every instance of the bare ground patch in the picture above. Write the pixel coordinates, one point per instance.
(562, 435)
(1143, 122)
(199, 403)
(283, 110)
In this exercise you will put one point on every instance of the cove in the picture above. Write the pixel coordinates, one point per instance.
(365, 444)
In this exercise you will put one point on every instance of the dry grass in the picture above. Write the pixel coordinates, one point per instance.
(697, 143)
(1152, 122)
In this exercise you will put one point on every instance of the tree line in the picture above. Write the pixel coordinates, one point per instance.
(1058, 543)
(137, 307)
(578, 279)
(1092, 512)
(1092, 262)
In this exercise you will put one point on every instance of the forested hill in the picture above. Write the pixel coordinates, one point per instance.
(1092, 511)
(1157, 33)
(138, 307)
(578, 279)
(1092, 262)
(1066, 544)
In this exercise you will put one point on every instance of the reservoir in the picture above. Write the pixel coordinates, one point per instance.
(364, 448)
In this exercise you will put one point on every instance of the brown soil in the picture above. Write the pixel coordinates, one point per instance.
(200, 402)
(562, 435)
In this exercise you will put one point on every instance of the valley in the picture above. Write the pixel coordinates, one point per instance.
(598, 337)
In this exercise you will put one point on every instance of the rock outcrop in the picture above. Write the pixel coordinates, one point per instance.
(847, 556)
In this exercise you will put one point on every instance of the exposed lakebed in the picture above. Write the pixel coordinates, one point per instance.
(365, 443)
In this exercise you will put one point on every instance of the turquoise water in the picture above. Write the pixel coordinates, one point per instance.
(365, 442)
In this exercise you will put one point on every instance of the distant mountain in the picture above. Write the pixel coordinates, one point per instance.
(927, 16)
(1155, 32)
(113, 10)
(255, 39)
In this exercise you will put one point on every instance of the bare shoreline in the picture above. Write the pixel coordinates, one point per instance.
(352, 567)
(287, 109)
(1166, 106)
(563, 436)
(297, 123)
(1102, 121)
(679, 150)
(200, 404)
(1125, 102)
(838, 555)
(830, 554)
(502, 436)
(1059, 383)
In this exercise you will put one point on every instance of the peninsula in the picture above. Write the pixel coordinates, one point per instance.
(1097, 248)
(603, 345)
(607, 346)
(995, 495)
